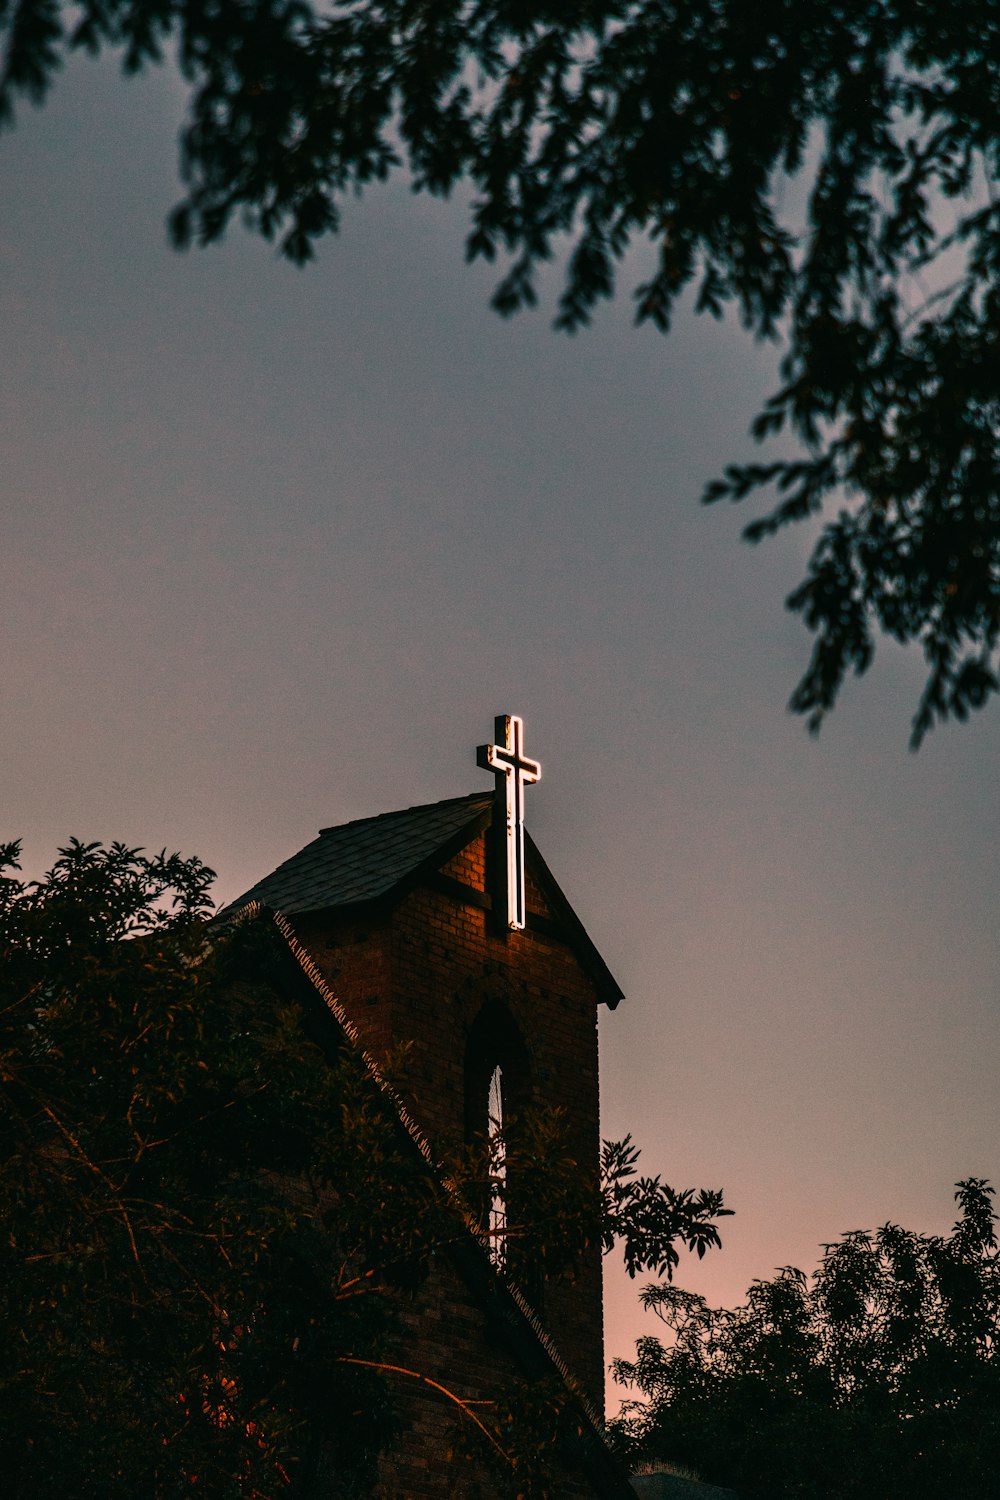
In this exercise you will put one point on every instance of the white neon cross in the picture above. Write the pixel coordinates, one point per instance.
(507, 760)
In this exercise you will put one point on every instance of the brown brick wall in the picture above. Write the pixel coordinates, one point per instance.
(421, 974)
(437, 1457)
(468, 866)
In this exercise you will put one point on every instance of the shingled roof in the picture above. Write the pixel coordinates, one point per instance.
(369, 858)
(379, 858)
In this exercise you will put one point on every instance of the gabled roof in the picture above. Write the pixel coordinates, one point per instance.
(378, 859)
(369, 858)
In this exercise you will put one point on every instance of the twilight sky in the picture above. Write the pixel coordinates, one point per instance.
(277, 545)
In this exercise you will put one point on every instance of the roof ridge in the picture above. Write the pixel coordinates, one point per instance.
(370, 857)
(398, 812)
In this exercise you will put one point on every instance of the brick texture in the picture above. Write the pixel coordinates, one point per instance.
(420, 973)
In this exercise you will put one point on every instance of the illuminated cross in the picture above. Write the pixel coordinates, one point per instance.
(513, 772)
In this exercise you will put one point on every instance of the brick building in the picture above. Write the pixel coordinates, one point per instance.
(404, 925)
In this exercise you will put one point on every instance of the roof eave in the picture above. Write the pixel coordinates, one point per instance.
(609, 992)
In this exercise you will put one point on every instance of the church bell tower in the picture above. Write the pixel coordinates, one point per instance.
(441, 926)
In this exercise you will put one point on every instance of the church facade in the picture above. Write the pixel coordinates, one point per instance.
(441, 927)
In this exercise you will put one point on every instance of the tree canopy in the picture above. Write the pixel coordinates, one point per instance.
(688, 127)
(880, 1376)
(151, 1116)
(210, 1226)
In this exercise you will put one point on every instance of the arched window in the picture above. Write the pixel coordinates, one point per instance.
(496, 1093)
(498, 1192)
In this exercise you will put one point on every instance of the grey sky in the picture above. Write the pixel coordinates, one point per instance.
(276, 547)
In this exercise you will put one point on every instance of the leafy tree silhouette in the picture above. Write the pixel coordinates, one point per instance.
(581, 133)
(879, 1377)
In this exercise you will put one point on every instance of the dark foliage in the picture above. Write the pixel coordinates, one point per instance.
(188, 1235)
(208, 1226)
(879, 1380)
(681, 125)
(649, 1218)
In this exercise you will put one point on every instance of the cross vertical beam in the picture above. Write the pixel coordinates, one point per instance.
(513, 771)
